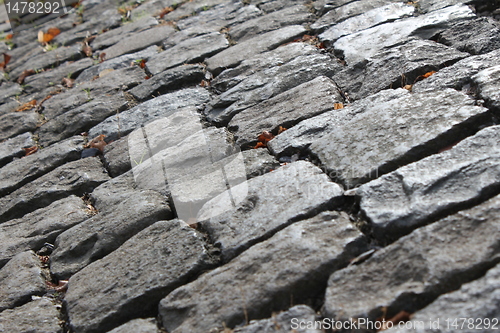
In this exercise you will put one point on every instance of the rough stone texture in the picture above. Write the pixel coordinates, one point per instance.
(22, 171)
(93, 239)
(258, 162)
(117, 158)
(277, 269)
(162, 106)
(284, 322)
(478, 300)
(401, 201)
(155, 261)
(13, 148)
(75, 177)
(21, 278)
(39, 227)
(410, 273)
(286, 109)
(168, 80)
(298, 190)
(15, 123)
(395, 127)
(137, 326)
(488, 84)
(265, 42)
(41, 314)
(190, 50)
(396, 66)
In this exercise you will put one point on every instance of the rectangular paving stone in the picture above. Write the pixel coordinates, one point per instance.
(13, 148)
(266, 204)
(286, 109)
(416, 194)
(410, 273)
(294, 263)
(41, 313)
(76, 177)
(15, 123)
(154, 262)
(488, 85)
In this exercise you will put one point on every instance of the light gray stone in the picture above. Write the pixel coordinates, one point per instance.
(155, 261)
(410, 273)
(41, 226)
(41, 313)
(191, 8)
(266, 204)
(22, 171)
(137, 326)
(295, 261)
(13, 148)
(75, 177)
(286, 109)
(259, 162)
(191, 50)
(234, 55)
(488, 84)
(15, 123)
(21, 278)
(98, 236)
(415, 194)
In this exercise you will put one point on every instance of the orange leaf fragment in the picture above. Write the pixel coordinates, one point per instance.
(102, 56)
(260, 145)
(142, 64)
(9, 36)
(6, 59)
(426, 75)
(402, 316)
(48, 36)
(165, 11)
(31, 150)
(338, 106)
(87, 50)
(97, 142)
(281, 129)
(24, 74)
(67, 82)
(265, 137)
(61, 286)
(27, 106)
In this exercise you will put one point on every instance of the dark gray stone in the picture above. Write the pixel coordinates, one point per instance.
(286, 109)
(284, 322)
(168, 80)
(259, 162)
(264, 278)
(395, 66)
(478, 300)
(21, 278)
(155, 261)
(15, 123)
(266, 204)
(415, 194)
(117, 158)
(137, 326)
(41, 226)
(95, 238)
(13, 148)
(191, 8)
(410, 273)
(22, 171)
(190, 50)
(120, 125)
(75, 177)
(261, 85)
(234, 55)
(41, 313)
(365, 44)
(9, 90)
(394, 128)
(487, 82)
(289, 16)
(114, 191)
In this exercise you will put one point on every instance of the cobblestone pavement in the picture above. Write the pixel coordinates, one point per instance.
(251, 166)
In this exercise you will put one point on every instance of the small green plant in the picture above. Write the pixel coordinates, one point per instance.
(50, 47)
(87, 90)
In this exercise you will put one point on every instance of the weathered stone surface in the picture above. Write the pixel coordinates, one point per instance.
(292, 320)
(475, 36)
(368, 19)
(289, 16)
(427, 6)
(13, 148)
(21, 278)
(410, 273)
(190, 50)
(279, 269)
(139, 41)
(283, 72)
(415, 194)
(93, 239)
(39, 227)
(189, 8)
(286, 109)
(259, 162)
(137, 326)
(114, 191)
(232, 56)
(367, 43)
(458, 75)
(15, 123)
(22, 171)
(155, 261)
(395, 67)
(265, 205)
(487, 82)
(168, 80)
(9, 90)
(162, 106)
(40, 313)
(75, 177)
(477, 300)
(393, 128)
(117, 158)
